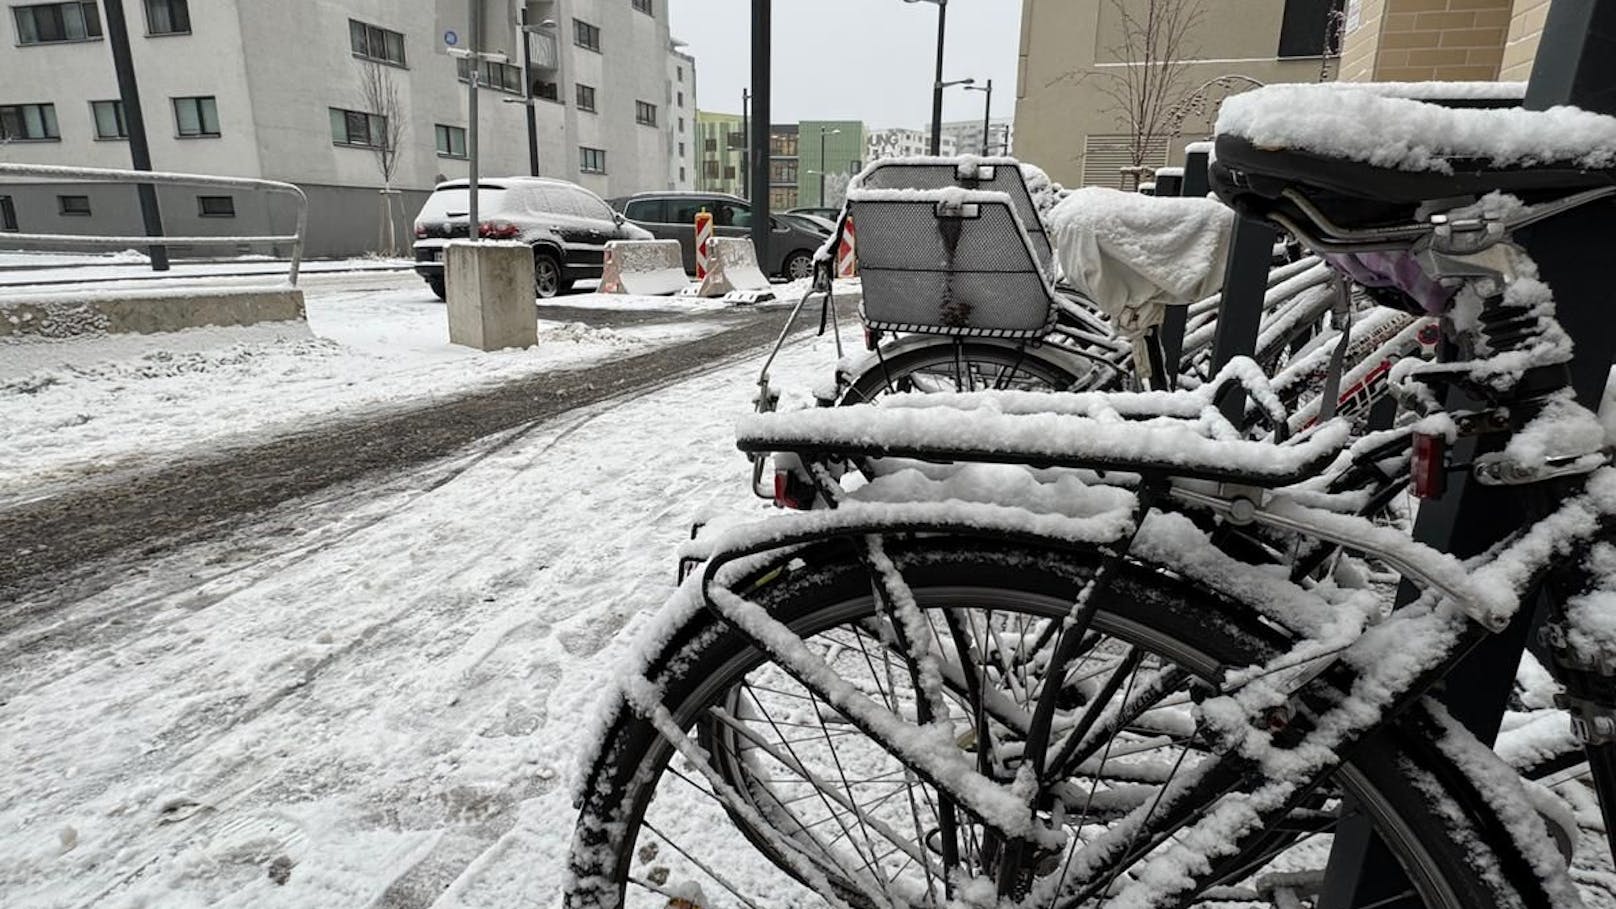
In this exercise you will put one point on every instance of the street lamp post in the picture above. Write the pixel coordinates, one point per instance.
(822, 168)
(527, 84)
(937, 84)
(987, 112)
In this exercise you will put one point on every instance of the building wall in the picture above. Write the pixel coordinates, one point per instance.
(843, 157)
(681, 121)
(784, 166)
(720, 163)
(1424, 40)
(1067, 124)
(1520, 45)
(967, 136)
(894, 143)
(276, 69)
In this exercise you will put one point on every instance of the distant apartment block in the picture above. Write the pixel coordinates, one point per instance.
(721, 152)
(784, 170)
(967, 137)
(683, 156)
(830, 152)
(272, 90)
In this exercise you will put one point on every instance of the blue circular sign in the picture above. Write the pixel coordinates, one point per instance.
(451, 37)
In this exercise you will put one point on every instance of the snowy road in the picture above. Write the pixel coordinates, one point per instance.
(366, 696)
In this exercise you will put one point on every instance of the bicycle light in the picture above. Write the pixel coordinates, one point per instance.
(1428, 466)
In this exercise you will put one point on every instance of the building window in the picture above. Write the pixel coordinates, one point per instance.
(585, 95)
(548, 90)
(681, 174)
(109, 122)
(8, 214)
(644, 113)
(216, 206)
(168, 17)
(586, 36)
(36, 122)
(681, 99)
(1310, 28)
(196, 116)
(643, 6)
(709, 145)
(591, 160)
(680, 72)
(451, 141)
(681, 124)
(357, 128)
(681, 149)
(73, 205)
(373, 42)
(51, 23)
(710, 169)
(493, 74)
(729, 172)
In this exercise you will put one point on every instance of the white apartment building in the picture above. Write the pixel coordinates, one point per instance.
(903, 143)
(967, 136)
(273, 90)
(682, 158)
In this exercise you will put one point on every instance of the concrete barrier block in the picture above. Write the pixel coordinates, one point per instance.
(79, 312)
(643, 267)
(491, 303)
(732, 266)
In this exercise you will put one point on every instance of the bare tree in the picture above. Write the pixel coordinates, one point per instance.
(1149, 89)
(378, 93)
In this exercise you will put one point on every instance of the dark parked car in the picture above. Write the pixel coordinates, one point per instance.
(672, 216)
(567, 226)
(812, 222)
(829, 214)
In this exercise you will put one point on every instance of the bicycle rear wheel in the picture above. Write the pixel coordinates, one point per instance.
(966, 365)
(816, 813)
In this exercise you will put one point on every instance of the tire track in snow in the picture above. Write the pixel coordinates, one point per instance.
(48, 548)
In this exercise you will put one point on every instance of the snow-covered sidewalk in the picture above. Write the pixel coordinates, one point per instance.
(377, 693)
(378, 340)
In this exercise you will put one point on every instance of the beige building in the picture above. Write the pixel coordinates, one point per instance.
(1446, 40)
(1075, 52)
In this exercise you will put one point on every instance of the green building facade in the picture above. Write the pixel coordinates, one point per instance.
(829, 153)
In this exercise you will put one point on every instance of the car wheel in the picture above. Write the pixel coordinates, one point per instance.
(546, 275)
(797, 266)
(436, 285)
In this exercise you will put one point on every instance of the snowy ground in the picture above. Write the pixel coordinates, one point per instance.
(375, 340)
(369, 686)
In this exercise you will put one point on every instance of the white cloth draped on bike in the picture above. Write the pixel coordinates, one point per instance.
(1136, 255)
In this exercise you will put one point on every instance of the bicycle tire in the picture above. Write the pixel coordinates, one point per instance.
(963, 365)
(1419, 802)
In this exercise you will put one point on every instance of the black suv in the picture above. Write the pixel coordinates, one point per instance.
(567, 226)
(672, 216)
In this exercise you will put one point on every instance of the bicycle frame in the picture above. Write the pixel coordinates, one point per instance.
(1571, 500)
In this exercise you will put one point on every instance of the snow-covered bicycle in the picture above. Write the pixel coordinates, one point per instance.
(1009, 660)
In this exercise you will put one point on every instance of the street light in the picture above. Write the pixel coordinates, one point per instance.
(822, 168)
(987, 112)
(937, 82)
(527, 86)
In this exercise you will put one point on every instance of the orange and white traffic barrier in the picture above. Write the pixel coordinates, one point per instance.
(704, 233)
(846, 262)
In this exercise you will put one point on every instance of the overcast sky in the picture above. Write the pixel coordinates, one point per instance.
(869, 60)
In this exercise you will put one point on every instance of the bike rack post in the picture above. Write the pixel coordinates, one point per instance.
(1575, 64)
(1192, 184)
(1245, 284)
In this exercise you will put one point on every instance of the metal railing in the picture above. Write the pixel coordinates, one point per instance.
(158, 178)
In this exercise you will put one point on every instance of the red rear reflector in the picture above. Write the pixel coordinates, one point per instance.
(1428, 468)
(872, 339)
(788, 493)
